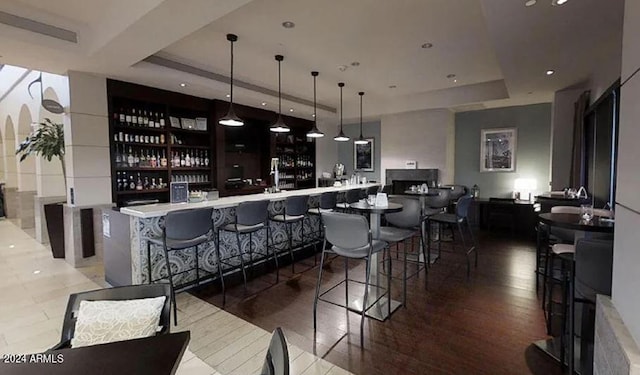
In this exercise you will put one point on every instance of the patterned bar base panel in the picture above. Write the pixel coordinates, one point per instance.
(183, 260)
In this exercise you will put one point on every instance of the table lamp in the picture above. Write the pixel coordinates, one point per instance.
(524, 187)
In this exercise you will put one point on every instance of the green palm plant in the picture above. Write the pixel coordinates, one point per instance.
(46, 141)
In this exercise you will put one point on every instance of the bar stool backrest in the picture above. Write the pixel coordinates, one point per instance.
(346, 231)
(276, 362)
(441, 200)
(329, 200)
(565, 210)
(594, 268)
(409, 217)
(252, 213)
(352, 196)
(373, 190)
(188, 224)
(457, 191)
(296, 206)
(603, 213)
(462, 208)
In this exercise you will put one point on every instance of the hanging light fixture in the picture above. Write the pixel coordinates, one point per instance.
(361, 140)
(315, 133)
(231, 119)
(279, 126)
(341, 137)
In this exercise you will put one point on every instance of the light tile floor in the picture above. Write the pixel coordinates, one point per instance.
(34, 289)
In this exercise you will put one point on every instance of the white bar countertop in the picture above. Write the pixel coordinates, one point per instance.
(161, 209)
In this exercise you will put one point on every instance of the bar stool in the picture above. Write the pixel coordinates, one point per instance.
(350, 238)
(372, 190)
(459, 219)
(295, 209)
(251, 217)
(405, 225)
(351, 196)
(182, 230)
(327, 203)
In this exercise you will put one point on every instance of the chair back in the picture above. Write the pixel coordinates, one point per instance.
(117, 294)
(276, 362)
(329, 200)
(373, 190)
(296, 206)
(346, 231)
(387, 189)
(458, 191)
(594, 268)
(409, 217)
(462, 208)
(565, 210)
(188, 224)
(603, 213)
(441, 200)
(252, 213)
(352, 196)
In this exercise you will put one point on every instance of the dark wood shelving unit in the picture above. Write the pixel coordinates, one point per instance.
(147, 191)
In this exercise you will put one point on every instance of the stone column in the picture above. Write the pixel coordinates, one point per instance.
(86, 131)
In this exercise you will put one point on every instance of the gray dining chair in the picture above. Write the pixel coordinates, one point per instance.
(276, 361)
(351, 196)
(295, 211)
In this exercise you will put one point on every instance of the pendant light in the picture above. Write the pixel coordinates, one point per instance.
(315, 133)
(279, 126)
(361, 140)
(231, 119)
(341, 137)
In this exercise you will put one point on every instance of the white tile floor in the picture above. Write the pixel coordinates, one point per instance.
(34, 289)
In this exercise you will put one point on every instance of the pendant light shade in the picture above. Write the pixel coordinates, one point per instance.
(341, 137)
(314, 132)
(361, 140)
(279, 126)
(231, 119)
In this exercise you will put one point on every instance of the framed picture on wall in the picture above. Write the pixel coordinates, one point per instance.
(363, 156)
(498, 150)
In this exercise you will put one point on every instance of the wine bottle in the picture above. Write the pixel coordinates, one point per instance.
(206, 158)
(128, 118)
(130, 158)
(132, 183)
(182, 161)
(196, 162)
(187, 160)
(163, 160)
(146, 184)
(140, 118)
(136, 159)
(134, 118)
(145, 119)
(161, 120)
(154, 160)
(118, 156)
(123, 119)
(139, 183)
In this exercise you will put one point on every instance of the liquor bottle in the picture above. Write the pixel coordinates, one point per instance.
(130, 158)
(160, 183)
(161, 120)
(115, 137)
(120, 137)
(128, 119)
(162, 138)
(206, 158)
(152, 121)
(118, 156)
(123, 118)
(136, 159)
(153, 183)
(136, 138)
(187, 160)
(182, 160)
(134, 118)
(154, 160)
(140, 118)
(196, 161)
(163, 160)
(132, 183)
(143, 160)
(139, 183)
(145, 119)
(146, 184)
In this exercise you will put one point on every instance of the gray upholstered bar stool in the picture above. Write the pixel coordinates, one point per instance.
(350, 238)
(351, 196)
(295, 210)
(251, 217)
(404, 226)
(459, 219)
(183, 229)
(327, 203)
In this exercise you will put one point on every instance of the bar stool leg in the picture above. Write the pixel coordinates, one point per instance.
(220, 274)
(251, 252)
(315, 300)
(425, 256)
(404, 279)
(273, 249)
(289, 226)
(365, 301)
(173, 293)
(346, 281)
(244, 274)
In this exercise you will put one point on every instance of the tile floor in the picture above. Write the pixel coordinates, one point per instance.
(35, 287)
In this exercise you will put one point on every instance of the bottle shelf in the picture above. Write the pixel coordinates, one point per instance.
(157, 145)
(191, 131)
(145, 169)
(140, 128)
(147, 191)
(191, 146)
(191, 168)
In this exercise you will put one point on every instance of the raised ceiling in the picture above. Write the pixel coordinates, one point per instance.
(498, 49)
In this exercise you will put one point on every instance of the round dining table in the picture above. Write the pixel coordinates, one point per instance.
(583, 229)
(379, 311)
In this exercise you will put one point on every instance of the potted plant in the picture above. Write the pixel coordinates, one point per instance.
(47, 141)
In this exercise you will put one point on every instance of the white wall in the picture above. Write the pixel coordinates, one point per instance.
(626, 260)
(326, 147)
(425, 136)
(562, 137)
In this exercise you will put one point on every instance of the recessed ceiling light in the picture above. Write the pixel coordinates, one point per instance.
(36, 272)
(342, 68)
(530, 92)
(355, 63)
(550, 72)
(558, 2)
(427, 45)
(392, 86)
(12, 246)
(455, 80)
(451, 75)
(183, 84)
(263, 103)
(228, 95)
(530, 3)
(313, 115)
(288, 25)
(290, 109)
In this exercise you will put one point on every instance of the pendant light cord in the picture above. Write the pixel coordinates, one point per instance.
(360, 115)
(231, 91)
(341, 109)
(315, 121)
(279, 90)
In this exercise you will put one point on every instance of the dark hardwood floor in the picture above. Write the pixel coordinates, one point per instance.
(483, 325)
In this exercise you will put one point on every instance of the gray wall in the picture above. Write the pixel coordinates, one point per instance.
(533, 123)
(345, 149)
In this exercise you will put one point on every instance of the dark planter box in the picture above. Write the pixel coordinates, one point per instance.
(54, 215)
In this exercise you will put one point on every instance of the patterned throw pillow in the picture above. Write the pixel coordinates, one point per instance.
(100, 322)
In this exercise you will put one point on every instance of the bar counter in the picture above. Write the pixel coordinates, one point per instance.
(128, 260)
